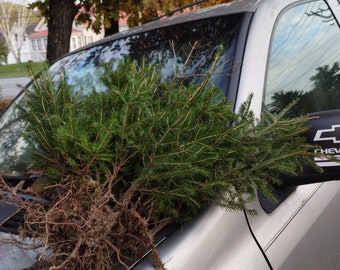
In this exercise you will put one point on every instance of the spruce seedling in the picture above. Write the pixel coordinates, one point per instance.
(125, 162)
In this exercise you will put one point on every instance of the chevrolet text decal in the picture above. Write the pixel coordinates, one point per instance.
(327, 135)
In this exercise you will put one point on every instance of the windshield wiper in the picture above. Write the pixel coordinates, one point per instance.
(20, 177)
(25, 181)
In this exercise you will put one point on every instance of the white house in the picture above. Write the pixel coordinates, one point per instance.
(35, 45)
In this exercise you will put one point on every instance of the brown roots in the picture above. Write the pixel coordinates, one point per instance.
(88, 228)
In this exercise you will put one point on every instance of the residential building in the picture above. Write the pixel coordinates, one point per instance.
(35, 45)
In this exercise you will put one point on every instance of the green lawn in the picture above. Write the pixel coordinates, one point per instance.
(22, 69)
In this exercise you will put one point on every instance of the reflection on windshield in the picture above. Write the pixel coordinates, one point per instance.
(186, 50)
(304, 60)
(168, 48)
(12, 155)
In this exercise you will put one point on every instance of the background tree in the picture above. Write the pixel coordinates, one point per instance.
(99, 15)
(326, 87)
(323, 95)
(282, 99)
(14, 19)
(59, 27)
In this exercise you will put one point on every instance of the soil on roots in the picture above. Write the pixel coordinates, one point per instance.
(89, 228)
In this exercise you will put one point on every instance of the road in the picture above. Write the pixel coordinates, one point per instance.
(9, 86)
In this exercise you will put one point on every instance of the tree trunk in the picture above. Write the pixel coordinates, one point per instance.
(19, 56)
(114, 19)
(113, 29)
(62, 13)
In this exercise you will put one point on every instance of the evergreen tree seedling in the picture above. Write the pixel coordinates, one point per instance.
(122, 164)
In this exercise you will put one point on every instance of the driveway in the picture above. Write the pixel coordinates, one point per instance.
(9, 86)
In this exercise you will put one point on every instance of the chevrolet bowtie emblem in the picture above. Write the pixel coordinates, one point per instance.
(327, 134)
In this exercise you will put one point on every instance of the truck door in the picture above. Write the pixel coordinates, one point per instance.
(303, 232)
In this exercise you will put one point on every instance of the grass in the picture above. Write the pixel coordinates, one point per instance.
(21, 69)
(17, 70)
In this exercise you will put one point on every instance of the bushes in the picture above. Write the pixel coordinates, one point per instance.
(122, 164)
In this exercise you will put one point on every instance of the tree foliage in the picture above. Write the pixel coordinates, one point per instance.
(326, 86)
(123, 163)
(98, 15)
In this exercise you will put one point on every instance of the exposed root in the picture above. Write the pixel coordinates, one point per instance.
(88, 228)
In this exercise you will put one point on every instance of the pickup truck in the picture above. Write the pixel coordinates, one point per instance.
(278, 50)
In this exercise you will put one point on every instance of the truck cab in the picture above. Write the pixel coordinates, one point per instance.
(278, 51)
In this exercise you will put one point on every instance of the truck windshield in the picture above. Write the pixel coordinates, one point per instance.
(185, 50)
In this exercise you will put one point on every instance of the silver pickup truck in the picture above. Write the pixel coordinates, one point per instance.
(278, 50)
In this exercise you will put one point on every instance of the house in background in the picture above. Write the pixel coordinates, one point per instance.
(35, 45)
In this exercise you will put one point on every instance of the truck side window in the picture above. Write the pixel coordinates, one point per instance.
(304, 60)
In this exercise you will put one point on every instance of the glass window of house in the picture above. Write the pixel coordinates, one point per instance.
(39, 44)
(34, 45)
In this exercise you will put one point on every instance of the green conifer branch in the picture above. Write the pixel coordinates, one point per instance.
(150, 152)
